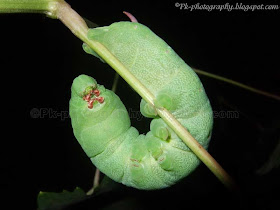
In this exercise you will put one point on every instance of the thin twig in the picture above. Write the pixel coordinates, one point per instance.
(95, 182)
(261, 92)
(115, 83)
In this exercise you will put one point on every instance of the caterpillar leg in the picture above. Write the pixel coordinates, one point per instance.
(136, 162)
(166, 161)
(88, 50)
(160, 129)
(165, 100)
(147, 110)
(144, 169)
(160, 153)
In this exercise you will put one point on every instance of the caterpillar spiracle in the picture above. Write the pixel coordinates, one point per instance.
(101, 122)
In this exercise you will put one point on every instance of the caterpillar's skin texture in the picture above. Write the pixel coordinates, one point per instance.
(159, 158)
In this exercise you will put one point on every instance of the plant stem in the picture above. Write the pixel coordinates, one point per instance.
(115, 83)
(78, 26)
(261, 92)
(95, 182)
(72, 20)
(47, 7)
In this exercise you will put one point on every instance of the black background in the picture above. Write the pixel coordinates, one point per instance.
(40, 58)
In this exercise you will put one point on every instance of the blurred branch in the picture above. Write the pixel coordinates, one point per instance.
(272, 162)
(238, 84)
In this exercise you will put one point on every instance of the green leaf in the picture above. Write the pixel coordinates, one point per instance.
(55, 201)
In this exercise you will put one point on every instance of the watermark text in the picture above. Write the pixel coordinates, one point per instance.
(226, 7)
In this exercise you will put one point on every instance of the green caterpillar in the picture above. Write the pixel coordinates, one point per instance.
(101, 123)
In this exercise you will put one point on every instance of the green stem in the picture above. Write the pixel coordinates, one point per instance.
(115, 83)
(47, 7)
(77, 25)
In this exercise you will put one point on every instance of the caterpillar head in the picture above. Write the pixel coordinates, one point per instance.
(87, 88)
(83, 83)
